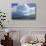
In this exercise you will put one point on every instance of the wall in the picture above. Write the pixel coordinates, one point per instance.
(25, 26)
(16, 35)
(5, 5)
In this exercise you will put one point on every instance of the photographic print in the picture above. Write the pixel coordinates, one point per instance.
(23, 11)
